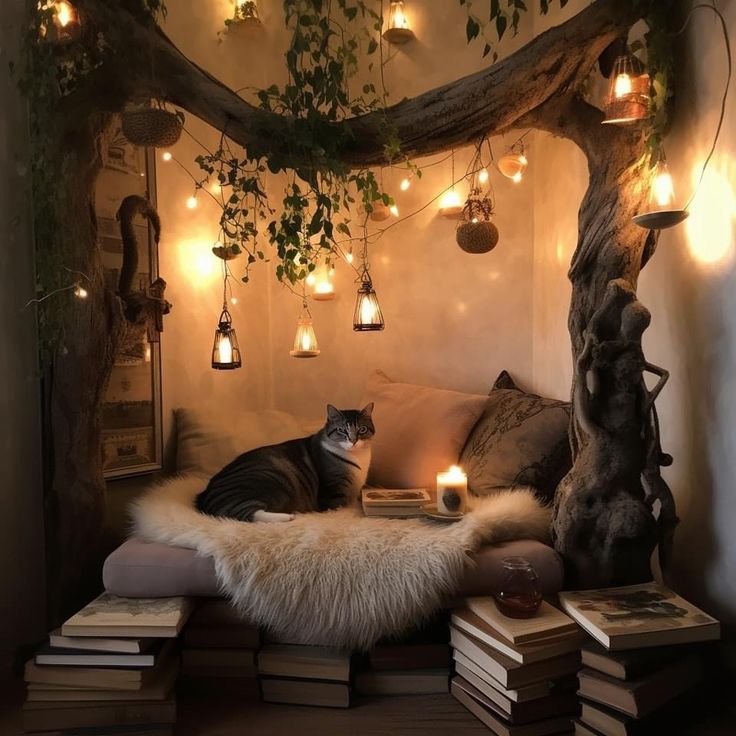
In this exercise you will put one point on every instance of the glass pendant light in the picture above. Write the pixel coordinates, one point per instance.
(451, 204)
(226, 351)
(305, 341)
(628, 92)
(397, 29)
(246, 15)
(661, 213)
(513, 164)
(367, 316)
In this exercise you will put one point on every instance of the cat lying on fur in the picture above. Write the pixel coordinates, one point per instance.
(323, 471)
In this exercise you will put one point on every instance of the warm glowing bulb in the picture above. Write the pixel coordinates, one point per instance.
(233, 300)
(405, 184)
(80, 292)
(349, 257)
(64, 14)
(367, 312)
(226, 350)
(166, 156)
(216, 187)
(397, 17)
(483, 176)
(662, 187)
(191, 203)
(311, 280)
(306, 340)
(450, 199)
(516, 178)
(394, 210)
(622, 85)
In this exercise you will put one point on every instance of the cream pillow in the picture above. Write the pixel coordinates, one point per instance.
(207, 441)
(419, 431)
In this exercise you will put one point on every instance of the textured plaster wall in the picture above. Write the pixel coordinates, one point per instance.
(689, 288)
(22, 606)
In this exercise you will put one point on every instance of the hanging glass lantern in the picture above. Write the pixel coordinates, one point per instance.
(661, 213)
(246, 15)
(628, 92)
(65, 25)
(305, 341)
(513, 164)
(367, 316)
(225, 351)
(397, 29)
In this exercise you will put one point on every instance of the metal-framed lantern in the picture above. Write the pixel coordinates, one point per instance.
(397, 29)
(367, 316)
(628, 92)
(64, 26)
(226, 351)
(305, 341)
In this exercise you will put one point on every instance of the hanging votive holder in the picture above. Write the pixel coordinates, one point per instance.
(226, 351)
(367, 316)
(628, 92)
(305, 341)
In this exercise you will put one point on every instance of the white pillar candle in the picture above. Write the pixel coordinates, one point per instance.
(452, 491)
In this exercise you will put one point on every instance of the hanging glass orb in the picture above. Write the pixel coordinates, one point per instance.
(226, 351)
(513, 164)
(305, 341)
(367, 316)
(628, 92)
(397, 29)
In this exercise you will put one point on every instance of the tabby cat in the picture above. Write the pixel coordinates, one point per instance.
(323, 471)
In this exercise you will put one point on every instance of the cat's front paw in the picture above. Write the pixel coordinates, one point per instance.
(271, 517)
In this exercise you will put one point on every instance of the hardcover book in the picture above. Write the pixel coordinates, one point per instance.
(112, 616)
(638, 698)
(415, 497)
(637, 616)
(547, 623)
(403, 682)
(49, 655)
(313, 663)
(305, 692)
(526, 653)
(100, 644)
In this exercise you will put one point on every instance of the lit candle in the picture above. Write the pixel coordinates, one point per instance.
(450, 204)
(452, 491)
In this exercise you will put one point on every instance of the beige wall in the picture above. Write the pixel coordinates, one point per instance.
(22, 604)
(689, 287)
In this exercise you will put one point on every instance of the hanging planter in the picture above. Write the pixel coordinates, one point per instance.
(477, 234)
(152, 126)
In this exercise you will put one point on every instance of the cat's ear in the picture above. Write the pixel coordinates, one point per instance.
(368, 410)
(333, 414)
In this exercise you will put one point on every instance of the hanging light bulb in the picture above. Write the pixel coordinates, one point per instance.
(225, 351)
(451, 205)
(661, 213)
(405, 184)
(166, 156)
(350, 257)
(65, 23)
(394, 210)
(305, 341)
(192, 203)
(397, 29)
(367, 316)
(80, 292)
(628, 92)
(483, 175)
(233, 300)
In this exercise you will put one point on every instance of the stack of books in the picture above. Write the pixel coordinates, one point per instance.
(516, 675)
(112, 665)
(219, 643)
(399, 503)
(644, 661)
(304, 675)
(416, 664)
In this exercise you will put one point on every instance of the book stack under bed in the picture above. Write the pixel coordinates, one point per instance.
(110, 669)
(517, 676)
(644, 663)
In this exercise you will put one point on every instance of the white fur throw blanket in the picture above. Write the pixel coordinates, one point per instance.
(336, 578)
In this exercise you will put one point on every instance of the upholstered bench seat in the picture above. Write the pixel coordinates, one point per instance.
(139, 569)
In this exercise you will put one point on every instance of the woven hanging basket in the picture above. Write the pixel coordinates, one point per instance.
(477, 237)
(152, 127)
(477, 234)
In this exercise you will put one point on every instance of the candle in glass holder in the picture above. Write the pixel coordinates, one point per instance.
(452, 491)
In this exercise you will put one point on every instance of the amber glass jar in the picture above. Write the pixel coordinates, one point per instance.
(521, 593)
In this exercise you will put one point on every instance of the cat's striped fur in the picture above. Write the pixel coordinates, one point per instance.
(323, 471)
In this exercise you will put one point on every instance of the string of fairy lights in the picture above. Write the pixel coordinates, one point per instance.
(627, 103)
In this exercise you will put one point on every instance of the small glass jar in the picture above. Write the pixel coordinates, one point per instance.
(521, 593)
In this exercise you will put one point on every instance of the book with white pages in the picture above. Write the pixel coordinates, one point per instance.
(547, 623)
(100, 644)
(467, 621)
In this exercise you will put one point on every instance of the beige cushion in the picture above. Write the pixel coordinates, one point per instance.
(207, 441)
(419, 431)
(520, 440)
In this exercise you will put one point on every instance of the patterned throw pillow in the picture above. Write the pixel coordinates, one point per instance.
(520, 440)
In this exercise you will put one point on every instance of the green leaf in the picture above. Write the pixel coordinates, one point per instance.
(472, 29)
